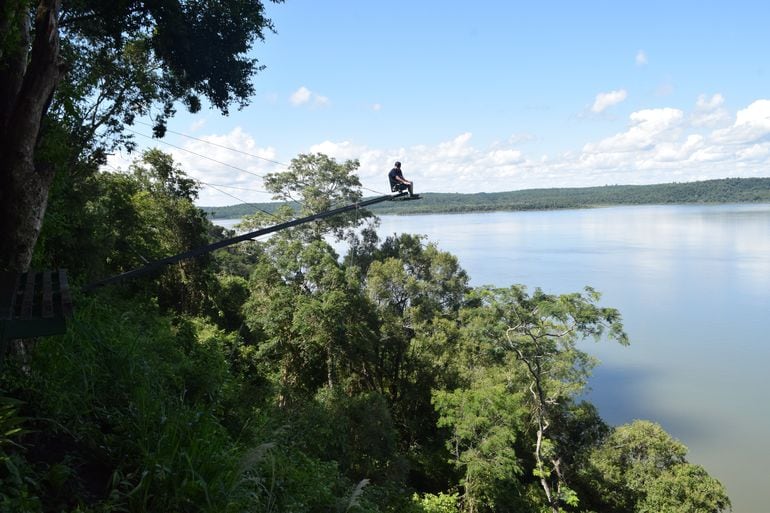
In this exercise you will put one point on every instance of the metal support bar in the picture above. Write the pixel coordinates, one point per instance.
(157, 264)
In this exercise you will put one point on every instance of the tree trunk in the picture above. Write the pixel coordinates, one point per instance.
(27, 83)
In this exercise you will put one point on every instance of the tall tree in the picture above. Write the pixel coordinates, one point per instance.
(485, 420)
(542, 331)
(86, 67)
(317, 183)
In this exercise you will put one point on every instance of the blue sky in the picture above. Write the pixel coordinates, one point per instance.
(497, 95)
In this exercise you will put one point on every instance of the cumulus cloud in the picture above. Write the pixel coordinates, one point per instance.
(605, 100)
(756, 115)
(232, 165)
(303, 96)
(300, 96)
(647, 127)
(655, 146)
(641, 58)
(709, 111)
(752, 125)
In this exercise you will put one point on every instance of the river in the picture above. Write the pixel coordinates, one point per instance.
(693, 286)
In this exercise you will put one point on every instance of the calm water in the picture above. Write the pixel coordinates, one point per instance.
(693, 285)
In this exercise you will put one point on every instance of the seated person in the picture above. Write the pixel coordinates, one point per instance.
(397, 181)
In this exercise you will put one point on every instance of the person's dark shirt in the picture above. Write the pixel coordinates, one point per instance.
(392, 176)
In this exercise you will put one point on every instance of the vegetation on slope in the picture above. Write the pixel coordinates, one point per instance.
(274, 376)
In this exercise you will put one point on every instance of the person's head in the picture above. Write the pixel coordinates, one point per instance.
(397, 164)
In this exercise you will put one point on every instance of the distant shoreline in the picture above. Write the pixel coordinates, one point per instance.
(720, 191)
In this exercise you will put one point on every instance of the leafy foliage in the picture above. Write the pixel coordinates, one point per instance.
(318, 183)
(641, 468)
(276, 376)
(125, 58)
(485, 421)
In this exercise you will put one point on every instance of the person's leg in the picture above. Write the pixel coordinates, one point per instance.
(411, 189)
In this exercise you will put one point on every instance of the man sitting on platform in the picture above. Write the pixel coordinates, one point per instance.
(397, 181)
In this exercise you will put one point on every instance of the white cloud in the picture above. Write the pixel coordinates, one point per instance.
(457, 147)
(234, 176)
(655, 146)
(300, 96)
(647, 127)
(606, 100)
(376, 107)
(757, 115)
(756, 152)
(504, 157)
(303, 95)
(752, 125)
(709, 111)
(709, 104)
(197, 125)
(641, 58)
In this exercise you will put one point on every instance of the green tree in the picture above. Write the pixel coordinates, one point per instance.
(79, 70)
(317, 183)
(413, 286)
(127, 220)
(541, 332)
(313, 318)
(641, 468)
(170, 224)
(485, 419)
(436, 503)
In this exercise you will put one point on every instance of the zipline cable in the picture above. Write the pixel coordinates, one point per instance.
(219, 145)
(196, 154)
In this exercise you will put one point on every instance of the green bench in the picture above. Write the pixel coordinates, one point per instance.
(33, 304)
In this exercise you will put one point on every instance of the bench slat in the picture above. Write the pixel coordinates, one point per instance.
(46, 304)
(9, 284)
(64, 293)
(28, 299)
(33, 305)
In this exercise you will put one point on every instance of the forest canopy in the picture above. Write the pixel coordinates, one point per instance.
(280, 376)
(274, 375)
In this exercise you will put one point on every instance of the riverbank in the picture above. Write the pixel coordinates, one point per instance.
(726, 190)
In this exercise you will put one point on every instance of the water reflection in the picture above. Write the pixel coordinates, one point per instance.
(693, 285)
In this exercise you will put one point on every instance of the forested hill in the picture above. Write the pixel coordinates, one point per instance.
(727, 190)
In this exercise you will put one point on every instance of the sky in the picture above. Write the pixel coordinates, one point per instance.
(492, 95)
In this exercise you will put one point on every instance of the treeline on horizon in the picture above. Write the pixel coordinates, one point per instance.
(725, 190)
